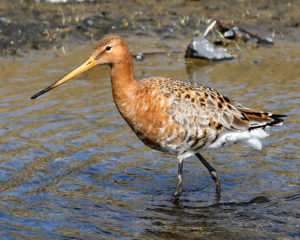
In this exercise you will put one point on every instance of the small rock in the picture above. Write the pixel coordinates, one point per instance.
(229, 34)
(200, 47)
(267, 41)
(140, 56)
(3, 19)
(90, 22)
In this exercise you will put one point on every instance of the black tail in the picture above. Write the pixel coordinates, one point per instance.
(277, 119)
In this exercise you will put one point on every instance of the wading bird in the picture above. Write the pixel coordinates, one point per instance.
(175, 116)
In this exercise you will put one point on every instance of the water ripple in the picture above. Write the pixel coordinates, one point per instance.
(71, 168)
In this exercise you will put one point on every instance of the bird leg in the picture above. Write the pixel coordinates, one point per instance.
(212, 172)
(178, 189)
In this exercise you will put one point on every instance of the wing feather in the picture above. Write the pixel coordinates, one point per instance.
(194, 105)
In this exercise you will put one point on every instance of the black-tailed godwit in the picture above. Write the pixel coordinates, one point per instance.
(175, 116)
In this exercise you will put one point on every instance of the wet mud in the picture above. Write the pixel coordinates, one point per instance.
(27, 24)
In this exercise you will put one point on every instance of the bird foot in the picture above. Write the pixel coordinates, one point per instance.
(175, 200)
(215, 177)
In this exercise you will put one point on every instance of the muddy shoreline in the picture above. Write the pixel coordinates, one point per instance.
(26, 25)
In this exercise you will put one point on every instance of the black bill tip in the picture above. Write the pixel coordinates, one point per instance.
(41, 92)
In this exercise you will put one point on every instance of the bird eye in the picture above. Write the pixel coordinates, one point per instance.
(108, 48)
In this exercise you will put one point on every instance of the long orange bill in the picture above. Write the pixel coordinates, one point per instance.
(90, 63)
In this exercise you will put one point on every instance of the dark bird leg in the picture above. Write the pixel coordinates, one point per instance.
(178, 189)
(212, 172)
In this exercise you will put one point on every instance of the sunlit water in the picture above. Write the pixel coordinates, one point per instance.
(72, 169)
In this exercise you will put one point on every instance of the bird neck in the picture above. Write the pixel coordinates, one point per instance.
(123, 80)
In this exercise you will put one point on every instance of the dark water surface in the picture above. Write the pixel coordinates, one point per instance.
(70, 167)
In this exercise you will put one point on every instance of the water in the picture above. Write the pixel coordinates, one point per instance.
(72, 169)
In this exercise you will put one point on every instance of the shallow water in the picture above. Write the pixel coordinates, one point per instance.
(72, 169)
